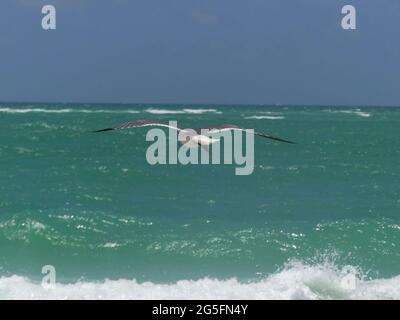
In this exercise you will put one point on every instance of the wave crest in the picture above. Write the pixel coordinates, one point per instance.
(296, 281)
(266, 117)
(182, 111)
(69, 110)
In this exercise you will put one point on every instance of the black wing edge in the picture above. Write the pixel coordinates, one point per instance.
(273, 138)
(102, 130)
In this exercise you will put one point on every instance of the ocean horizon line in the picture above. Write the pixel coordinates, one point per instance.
(93, 103)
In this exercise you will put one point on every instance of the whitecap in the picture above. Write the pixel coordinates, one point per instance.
(270, 113)
(111, 245)
(357, 112)
(200, 111)
(69, 110)
(182, 111)
(295, 281)
(265, 117)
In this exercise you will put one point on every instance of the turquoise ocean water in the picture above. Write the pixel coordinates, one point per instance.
(114, 226)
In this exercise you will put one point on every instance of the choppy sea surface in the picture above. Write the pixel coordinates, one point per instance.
(316, 220)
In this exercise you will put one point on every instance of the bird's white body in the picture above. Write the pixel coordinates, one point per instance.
(194, 141)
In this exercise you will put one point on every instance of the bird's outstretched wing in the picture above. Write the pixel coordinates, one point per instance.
(228, 127)
(209, 130)
(138, 124)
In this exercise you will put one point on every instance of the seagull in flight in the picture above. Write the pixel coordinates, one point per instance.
(191, 137)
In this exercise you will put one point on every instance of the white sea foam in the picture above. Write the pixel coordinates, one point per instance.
(357, 112)
(69, 110)
(273, 113)
(265, 117)
(182, 111)
(200, 111)
(295, 281)
(72, 110)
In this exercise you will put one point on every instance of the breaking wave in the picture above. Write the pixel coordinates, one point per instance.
(296, 281)
(182, 111)
(266, 117)
(41, 110)
(357, 112)
(71, 110)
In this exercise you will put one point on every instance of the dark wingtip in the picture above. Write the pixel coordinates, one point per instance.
(102, 130)
(286, 141)
(274, 138)
(291, 142)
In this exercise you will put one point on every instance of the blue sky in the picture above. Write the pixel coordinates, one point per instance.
(209, 51)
